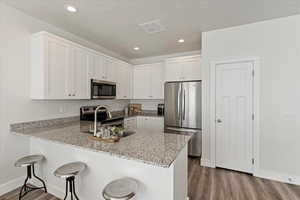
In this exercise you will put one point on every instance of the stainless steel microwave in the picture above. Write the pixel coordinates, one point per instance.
(103, 89)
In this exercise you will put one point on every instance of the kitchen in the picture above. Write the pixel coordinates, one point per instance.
(147, 106)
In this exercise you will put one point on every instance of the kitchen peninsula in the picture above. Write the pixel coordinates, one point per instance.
(156, 159)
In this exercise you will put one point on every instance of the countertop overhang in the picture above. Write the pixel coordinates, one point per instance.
(147, 146)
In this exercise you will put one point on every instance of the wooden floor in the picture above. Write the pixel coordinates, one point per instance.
(212, 184)
(219, 184)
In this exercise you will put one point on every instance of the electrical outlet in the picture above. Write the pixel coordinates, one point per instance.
(290, 179)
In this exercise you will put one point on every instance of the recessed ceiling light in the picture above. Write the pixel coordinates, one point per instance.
(181, 40)
(136, 48)
(71, 8)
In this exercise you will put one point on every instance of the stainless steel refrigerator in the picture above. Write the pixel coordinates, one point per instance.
(183, 112)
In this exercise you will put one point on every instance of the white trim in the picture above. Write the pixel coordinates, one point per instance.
(206, 163)
(212, 110)
(11, 185)
(280, 177)
(162, 58)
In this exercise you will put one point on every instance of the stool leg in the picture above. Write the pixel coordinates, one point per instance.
(44, 185)
(66, 189)
(73, 183)
(71, 187)
(23, 188)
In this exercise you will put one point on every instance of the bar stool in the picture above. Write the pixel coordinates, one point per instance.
(121, 189)
(29, 161)
(68, 172)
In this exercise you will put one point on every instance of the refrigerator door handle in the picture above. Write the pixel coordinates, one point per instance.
(183, 104)
(179, 104)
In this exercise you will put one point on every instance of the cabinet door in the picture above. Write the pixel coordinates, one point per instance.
(57, 73)
(173, 71)
(151, 123)
(156, 123)
(157, 83)
(192, 70)
(142, 82)
(124, 76)
(109, 70)
(81, 76)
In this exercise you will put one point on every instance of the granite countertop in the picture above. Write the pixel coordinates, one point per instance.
(150, 147)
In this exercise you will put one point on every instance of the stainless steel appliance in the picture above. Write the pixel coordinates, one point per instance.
(104, 117)
(103, 89)
(161, 109)
(183, 112)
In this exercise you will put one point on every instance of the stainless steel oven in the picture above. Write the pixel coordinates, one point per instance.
(103, 89)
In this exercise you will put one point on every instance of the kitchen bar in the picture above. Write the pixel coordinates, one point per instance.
(151, 157)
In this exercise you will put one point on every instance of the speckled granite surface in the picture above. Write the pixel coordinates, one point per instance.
(150, 147)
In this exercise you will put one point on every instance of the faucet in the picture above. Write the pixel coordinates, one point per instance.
(96, 112)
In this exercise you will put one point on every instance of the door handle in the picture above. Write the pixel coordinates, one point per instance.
(219, 121)
(183, 104)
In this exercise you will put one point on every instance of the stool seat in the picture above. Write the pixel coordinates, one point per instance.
(121, 189)
(70, 169)
(29, 160)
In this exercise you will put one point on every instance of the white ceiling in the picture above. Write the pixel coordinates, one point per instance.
(113, 24)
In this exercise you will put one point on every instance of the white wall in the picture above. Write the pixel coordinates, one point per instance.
(15, 104)
(277, 44)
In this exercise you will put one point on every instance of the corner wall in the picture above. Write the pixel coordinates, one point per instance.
(277, 44)
(15, 104)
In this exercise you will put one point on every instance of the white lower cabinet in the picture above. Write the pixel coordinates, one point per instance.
(150, 123)
(130, 123)
(145, 123)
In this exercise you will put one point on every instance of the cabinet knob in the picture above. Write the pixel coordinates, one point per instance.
(70, 95)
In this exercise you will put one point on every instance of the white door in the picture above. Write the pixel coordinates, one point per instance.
(234, 107)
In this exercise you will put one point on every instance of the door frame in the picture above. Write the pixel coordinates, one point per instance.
(256, 91)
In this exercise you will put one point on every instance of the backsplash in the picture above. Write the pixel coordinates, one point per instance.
(113, 105)
(148, 104)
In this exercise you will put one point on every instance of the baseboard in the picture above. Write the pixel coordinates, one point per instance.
(280, 177)
(206, 163)
(11, 185)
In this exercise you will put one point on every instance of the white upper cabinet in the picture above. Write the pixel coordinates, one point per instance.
(102, 68)
(61, 69)
(183, 69)
(148, 81)
(124, 80)
(142, 82)
(79, 66)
